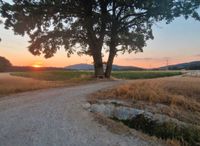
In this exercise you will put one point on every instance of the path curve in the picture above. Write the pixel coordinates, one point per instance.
(55, 117)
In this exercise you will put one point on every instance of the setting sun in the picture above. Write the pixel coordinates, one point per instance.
(37, 64)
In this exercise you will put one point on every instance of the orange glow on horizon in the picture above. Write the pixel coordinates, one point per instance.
(37, 64)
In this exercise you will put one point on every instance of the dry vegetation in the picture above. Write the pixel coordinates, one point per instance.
(177, 97)
(10, 84)
(13, 84)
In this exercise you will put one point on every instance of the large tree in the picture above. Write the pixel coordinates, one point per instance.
(0, 23)
(76, 25)
(88, 26)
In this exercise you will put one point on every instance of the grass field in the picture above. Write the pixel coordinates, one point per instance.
(11, 84)
(55, 75)
(177, 93)
(66, 75)
(14, 84)
(176, 97)
(144, 74)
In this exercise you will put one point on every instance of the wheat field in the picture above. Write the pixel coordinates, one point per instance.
(177, 97)
(11, 84)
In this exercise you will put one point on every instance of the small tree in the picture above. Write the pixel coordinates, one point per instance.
(4, 64)
(85, 26)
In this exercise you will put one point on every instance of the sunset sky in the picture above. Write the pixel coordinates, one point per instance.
(177, 42)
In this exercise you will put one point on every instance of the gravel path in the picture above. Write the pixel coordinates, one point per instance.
(55, 117)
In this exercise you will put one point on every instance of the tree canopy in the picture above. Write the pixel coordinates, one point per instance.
(0, 23)
(4, 64)
(89, 26)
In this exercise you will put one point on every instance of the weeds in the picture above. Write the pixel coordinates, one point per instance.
(186, 135)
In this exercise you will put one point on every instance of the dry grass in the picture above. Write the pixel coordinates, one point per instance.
(10, 84)
(187, 86)
(178, 95)
(13, 84)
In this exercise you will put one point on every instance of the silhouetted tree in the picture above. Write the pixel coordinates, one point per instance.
(86, 26)
(52, 24)
(4, 64)
(0, 24)
(130, 23)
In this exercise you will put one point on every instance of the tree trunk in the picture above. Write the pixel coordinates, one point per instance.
(98, 63)
(109, 65)
(112, 51)
(95, 45)
(111, 57)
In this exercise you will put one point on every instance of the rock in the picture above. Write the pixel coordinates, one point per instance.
(109, 110)
(148, 115)
(120, 112)
(86, 105)
(106, 110)
(125, 113)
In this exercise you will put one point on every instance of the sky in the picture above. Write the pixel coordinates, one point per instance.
(173, 43)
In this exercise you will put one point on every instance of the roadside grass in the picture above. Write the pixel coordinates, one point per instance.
(27, 81)
(155, 92)
(144, 74)
(176, 97)
(10, 84)
(176, 93)
(55, 75)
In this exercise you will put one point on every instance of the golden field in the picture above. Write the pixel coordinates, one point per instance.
(10, 84)
(177, 97)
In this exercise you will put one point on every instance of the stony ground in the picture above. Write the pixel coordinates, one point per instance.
(55, 117)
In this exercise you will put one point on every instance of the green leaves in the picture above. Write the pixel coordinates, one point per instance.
(55, 24)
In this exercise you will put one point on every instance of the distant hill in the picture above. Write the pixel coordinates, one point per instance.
(91, 67)
(195, 65)
(118, 67)
(80, 67)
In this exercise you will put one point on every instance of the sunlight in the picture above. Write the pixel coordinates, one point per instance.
(37, 64)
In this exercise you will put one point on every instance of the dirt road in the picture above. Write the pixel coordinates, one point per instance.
(55, 117)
